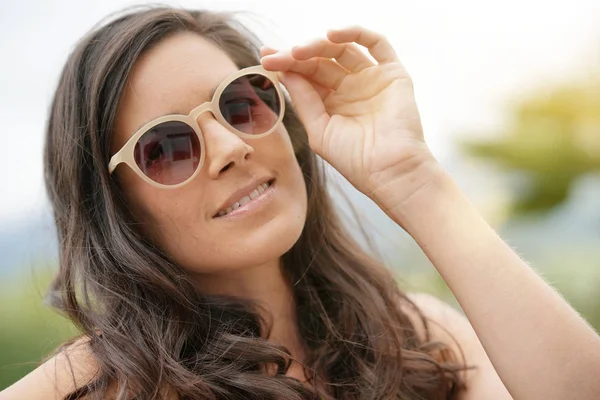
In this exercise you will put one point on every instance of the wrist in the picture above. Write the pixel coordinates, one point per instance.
(425, 189)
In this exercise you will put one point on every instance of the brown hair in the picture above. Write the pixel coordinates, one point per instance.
(157, 330)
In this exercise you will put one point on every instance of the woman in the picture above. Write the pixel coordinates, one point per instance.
(201, 256)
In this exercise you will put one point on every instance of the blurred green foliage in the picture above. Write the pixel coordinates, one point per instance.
(553, 140)
(29, 331)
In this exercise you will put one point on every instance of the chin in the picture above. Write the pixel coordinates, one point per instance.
(262, 245)
(272, 242)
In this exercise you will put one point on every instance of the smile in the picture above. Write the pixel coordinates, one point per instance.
(244, 200)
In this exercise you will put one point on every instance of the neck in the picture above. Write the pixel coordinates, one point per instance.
(267, 285)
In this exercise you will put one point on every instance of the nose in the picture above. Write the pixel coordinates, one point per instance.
(224, 149)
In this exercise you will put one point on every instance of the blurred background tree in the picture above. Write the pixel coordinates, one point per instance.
(554, 140)
(29, 330)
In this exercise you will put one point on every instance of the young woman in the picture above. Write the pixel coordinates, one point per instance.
(201, 255)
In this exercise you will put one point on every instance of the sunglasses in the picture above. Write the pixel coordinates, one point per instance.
(168, 152)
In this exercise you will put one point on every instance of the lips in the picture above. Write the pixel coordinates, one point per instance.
(243, 196)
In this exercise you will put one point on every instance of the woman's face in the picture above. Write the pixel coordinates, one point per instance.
(175, 76)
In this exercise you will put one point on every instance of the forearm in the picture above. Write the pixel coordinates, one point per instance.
(540, 347)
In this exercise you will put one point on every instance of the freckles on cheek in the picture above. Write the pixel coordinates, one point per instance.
(205, 243)
(184, 222)
(175, 207)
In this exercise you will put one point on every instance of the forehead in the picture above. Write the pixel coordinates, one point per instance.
(174, 76)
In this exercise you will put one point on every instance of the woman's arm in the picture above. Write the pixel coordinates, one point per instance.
(540, 347)
(361, 116)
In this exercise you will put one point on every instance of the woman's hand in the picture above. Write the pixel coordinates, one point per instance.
(361, 116)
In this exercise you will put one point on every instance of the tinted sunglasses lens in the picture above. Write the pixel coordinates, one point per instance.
(169, 153)
(251, 104)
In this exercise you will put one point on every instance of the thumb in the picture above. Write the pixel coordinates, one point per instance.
(309, 106)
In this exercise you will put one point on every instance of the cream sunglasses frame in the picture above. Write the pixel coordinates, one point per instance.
(126, 153)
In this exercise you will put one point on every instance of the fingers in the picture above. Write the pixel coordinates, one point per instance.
(341, 45)
(322, 71)
(306, 102)
(266, 51)
(379, 47)
(348, 55)
(322, 91)
(327, 62)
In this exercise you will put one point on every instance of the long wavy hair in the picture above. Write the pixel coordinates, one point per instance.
(158, 332)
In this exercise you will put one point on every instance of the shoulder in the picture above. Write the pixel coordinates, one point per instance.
(443, 320)
(437, 321)
(71, 368)
(448, 325)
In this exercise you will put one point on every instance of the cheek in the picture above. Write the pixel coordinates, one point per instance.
(176, 213)
(283, 159)
(177, 227)
(278, 149)
(164, 216)
(296, 176)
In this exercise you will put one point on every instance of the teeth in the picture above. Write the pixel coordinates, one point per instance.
(245, 200)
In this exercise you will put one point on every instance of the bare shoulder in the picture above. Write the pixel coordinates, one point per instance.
(448, 325)
(70, 369)
(58, 376)
(443, 320)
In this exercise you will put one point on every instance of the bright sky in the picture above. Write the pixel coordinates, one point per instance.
(468, 59)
